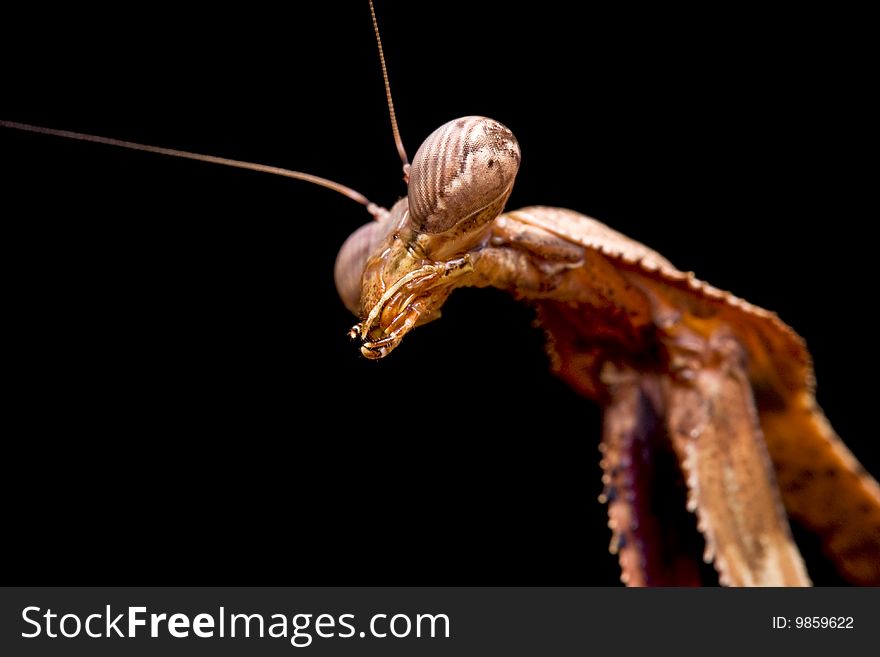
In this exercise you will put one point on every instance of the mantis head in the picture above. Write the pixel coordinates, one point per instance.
(397, 272)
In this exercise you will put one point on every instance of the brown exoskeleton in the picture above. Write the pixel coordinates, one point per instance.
(679, 367)
(676, 363)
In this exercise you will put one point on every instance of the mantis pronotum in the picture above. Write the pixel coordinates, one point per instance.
(566, 181)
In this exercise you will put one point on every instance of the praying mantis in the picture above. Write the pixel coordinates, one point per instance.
(559, 178)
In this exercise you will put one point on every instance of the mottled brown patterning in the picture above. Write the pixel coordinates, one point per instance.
(708, 400)
(702, 391)
(710, 419)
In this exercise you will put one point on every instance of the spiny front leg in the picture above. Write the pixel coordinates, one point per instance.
(711, 418)
(415, 298)
(393, 334)
(654, 537)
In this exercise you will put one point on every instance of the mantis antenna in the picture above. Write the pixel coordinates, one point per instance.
(394, 129)
(376, 211)
(372, 208)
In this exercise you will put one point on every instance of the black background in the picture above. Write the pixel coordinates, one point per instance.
(193, 411)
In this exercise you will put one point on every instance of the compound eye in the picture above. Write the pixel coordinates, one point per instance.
(462, 174)
(348, 272)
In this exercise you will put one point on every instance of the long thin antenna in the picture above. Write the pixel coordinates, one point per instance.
(372, 208)
(397, 140)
